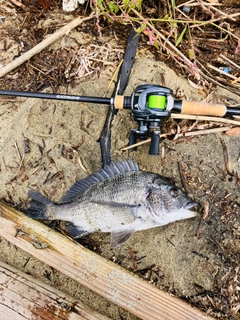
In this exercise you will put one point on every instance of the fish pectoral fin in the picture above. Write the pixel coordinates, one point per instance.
(74, 231)
(120, 235)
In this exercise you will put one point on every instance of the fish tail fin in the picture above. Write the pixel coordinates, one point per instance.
(38, 206)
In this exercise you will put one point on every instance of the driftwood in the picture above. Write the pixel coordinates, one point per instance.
(98, 274)
(42, 45)
(24, 297)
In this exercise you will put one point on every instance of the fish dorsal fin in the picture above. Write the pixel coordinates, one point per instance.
(108, 171)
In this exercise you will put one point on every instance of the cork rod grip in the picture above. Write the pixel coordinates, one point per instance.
(118, 102)
(203, 108)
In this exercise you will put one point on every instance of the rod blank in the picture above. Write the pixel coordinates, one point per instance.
(53, 96)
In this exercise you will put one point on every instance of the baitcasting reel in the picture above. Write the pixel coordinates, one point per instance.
(150, 104)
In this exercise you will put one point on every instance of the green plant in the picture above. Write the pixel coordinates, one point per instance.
(175, 32)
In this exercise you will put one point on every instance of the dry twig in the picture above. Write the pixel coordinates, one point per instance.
(178, 135)
(20, 5)
(226, 159)
(183, 178)
(42, 45)
(199, 132)
(222, 72)
(204, 118)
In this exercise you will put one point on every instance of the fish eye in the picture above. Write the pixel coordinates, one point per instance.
(174, 192)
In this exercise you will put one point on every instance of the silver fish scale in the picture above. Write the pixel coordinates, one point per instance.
(96, 209)
(129, 187)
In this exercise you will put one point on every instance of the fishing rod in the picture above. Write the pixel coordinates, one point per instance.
(150, 104)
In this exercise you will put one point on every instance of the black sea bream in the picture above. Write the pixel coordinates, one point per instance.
(120, 199)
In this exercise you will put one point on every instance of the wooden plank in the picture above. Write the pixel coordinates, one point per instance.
(98, 274)
(23, 297)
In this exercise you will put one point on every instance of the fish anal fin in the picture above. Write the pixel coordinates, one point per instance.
(119, 236)
(34, 195)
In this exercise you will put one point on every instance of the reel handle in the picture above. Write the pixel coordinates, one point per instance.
(154, 146)
(132, 140)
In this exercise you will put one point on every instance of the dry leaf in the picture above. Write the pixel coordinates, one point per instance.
(233, 132)
(44, 3)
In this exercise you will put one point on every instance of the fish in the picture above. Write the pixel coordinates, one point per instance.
(119, 198)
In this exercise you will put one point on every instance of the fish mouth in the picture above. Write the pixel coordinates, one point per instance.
(191, 204)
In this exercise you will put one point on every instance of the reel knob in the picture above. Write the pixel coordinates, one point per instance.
(154, 146)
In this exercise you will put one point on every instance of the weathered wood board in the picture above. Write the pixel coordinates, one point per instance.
(24, 297)
(98, 274)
